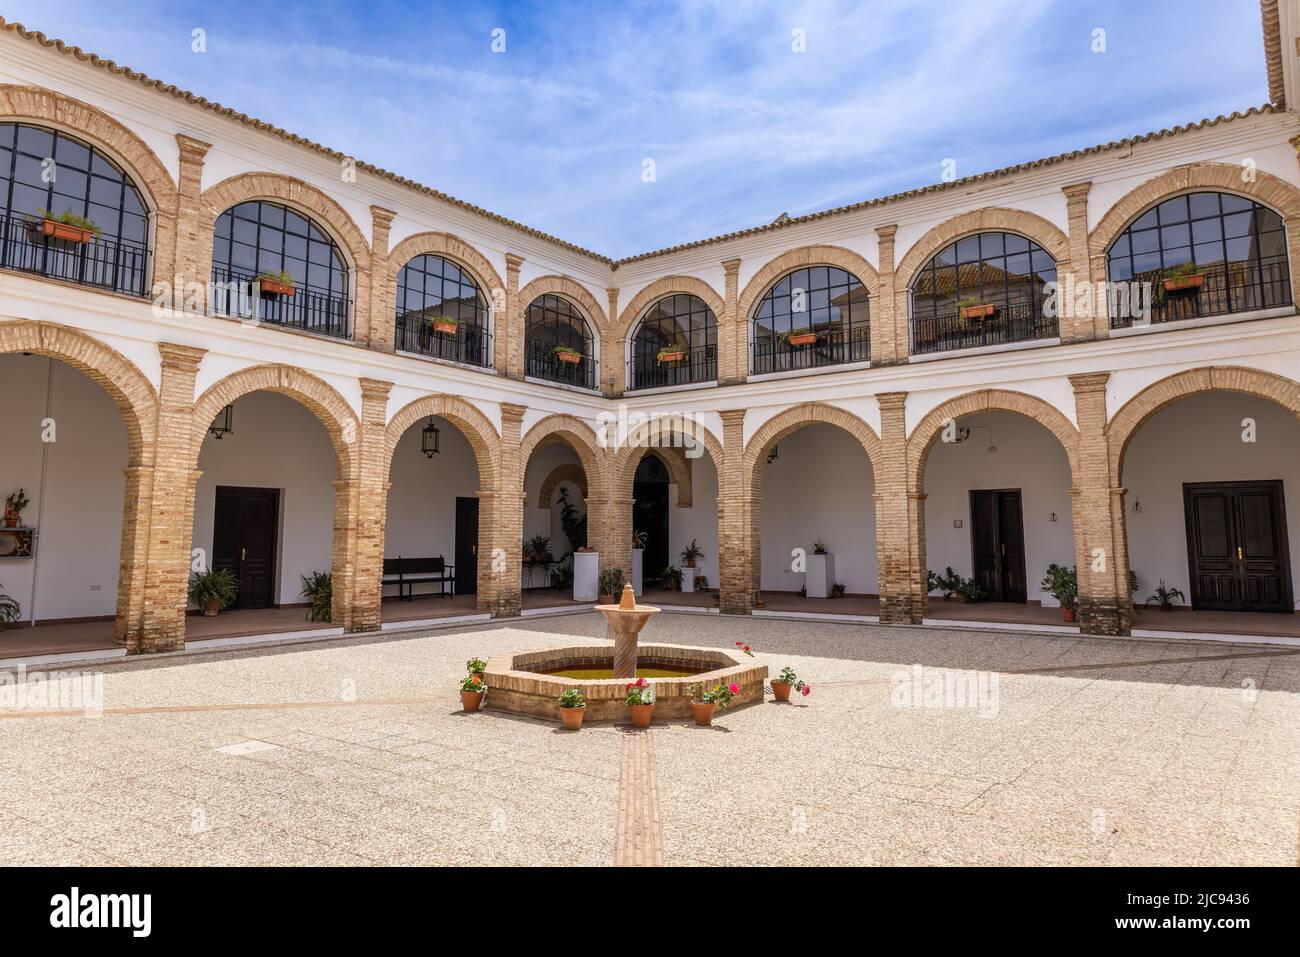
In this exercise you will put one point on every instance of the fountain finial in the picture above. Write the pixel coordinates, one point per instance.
(628, 601)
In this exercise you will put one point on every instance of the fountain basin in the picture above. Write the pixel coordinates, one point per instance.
(520, 683)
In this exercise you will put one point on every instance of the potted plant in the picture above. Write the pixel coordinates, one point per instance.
(1164, 596)
(472, 689)
(672, 579)
(946, 584)
(276, 283)
(537, 550)
(1062, 584)
(703, 703)
(969, 590)
(611, 585)
(444, 324)
(970, 308)
(690, 554)
(213, 590)
(572, 707)
(68, 227)
(819, 547)
(800, 337)
(9, 610)
(319, 587)
(476, 666)
(641, 702)
(1183, 277)
(568, 354)
(837, 590)
(14, 506)
(671, 355)
(787, 682)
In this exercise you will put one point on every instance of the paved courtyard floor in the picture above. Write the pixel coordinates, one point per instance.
(354, 751)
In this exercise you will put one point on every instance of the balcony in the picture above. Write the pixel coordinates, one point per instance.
(645, 371)
(1017, 320)
(1226, 288)
(541, 362)
(470, 345)
(101, 263)
(771, 351)
(238, 294)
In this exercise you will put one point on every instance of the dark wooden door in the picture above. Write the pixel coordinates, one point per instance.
(650, 515)
(466, 546)
(1238, 555)
(244, 529)
(998, 543)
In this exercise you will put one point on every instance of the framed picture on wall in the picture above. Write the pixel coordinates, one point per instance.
(17, 542)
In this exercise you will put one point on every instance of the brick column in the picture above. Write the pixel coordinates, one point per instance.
(501, 522)
(509, 332)
(900, 520)
(370, 470)
(889, 337)
(193, 230)
(137, 501)
(613, 351)
(171, 513)
(735, 559)
(1105, 606)
(733, 338)
(1076, 324)
(376, 323)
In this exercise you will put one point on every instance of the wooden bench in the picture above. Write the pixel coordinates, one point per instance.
(406, 573)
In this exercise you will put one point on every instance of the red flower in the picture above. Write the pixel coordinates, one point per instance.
(640, 682)
(733, 688)
(739, 644)
(807, 690)
(477, 679)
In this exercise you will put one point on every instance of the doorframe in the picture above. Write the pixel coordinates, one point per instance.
(1280, 524)
(1024, 555)
(276, 532)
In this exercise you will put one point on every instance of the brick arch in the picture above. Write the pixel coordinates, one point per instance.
(132, 393)
(673, 458)
(667, 286)
(794, 259)
(1125, 423)
(566, 288)
(578, 434)
(472, 423)
(992, 220)
(568, 472)
(449, 247)
(928, 430)
(333, 411)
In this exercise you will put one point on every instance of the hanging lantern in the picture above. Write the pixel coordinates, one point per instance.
(772, 456)
(223, 424)
(429, 440)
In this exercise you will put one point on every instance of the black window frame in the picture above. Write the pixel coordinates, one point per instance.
(843, 336)
(676, 319)
(471, 343)
(550, 321)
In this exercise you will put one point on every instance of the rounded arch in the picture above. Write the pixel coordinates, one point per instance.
(799, 258)
(995, 219)
(45, 107)
(130, 390)
(927, 431)
(667, 286)
(673, 457)
(567, 472)
(472, 423)
(1125, 423)
(320, 397)
(449, 247)
(578, 434)
(1267, 189)
(566, 288)
(792, 419)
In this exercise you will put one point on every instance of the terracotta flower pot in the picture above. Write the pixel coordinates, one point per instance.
(703, 712)
(65, 231)
(804, 339)
(572, 358)
(608, 600)
(668, 358)
(274, 287)
(978, 312)
(1068, 614)
(444, 325)
(572, 718)
(211, 608)
(470, 700)
(641, 715)
(781, 689)
(12, 517)
(1194, 281)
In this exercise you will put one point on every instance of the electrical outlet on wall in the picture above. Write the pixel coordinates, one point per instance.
(94, 587)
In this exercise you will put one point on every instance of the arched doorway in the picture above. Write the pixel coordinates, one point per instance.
(650, 511)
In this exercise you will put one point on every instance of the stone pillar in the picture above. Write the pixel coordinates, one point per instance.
(733, 337)
(1075, 323)
(501, 522)
(1105, 605)
(133, 564)
(510, 329)
(735, 558)
(890, 342)
(370, 469)
(900, 520)
(377, 321)
(613, 351)
(171, 512)
(193, 233)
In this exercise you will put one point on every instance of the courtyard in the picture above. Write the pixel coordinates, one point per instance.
(1079, 750)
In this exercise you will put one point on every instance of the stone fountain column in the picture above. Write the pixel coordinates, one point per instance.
(626, 619)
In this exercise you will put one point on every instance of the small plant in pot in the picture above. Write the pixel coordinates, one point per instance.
(10, 610)
(1183, 277)
(789, 681)
(691, 554)
(1063, 584)
(671, 355)
(1164, 596)
(672, 579)
(537, 550)
(213, 590)
(837, 590)
(444, 324)
(14, 506)
(572, 707)
(568, 354)
(819, 547)
(800, 337)
(703, 703)
(276, 283)
(67, 226)
(472, 690)
(476, 666)
(319, 588)
(945, 584)
(641, 702)
(611, 585)
(969, 590)
(972, 310)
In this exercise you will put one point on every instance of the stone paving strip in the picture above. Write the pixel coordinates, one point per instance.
(354, 751)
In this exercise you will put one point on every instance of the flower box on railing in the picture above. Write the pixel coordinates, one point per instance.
(567, 355)
(275, 287)
(981, 311)
(801, 338)
(68, 232)
(672, 355)
(444, 325)
(1183, 283)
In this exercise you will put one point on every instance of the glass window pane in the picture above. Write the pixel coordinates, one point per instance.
(1204, 204)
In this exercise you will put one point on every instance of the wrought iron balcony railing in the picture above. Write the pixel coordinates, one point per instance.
(773, 352)
(1224, 289)
(696, 365)
(471, 345)
(541, 362)
(238, 294)
(104, 263)
(1016, 321)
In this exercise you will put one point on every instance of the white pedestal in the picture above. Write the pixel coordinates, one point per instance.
(688, 578)
(820, 576)
(586, 574)
(637, 555)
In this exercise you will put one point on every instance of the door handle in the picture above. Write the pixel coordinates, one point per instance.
(243, 553)
(1238, 553)
(1004, 551)
(474, 550)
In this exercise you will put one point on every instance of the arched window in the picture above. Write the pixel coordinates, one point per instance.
(815, 316)
(558, 344)
(675, 342)
(70, 212)
(283, 261)
(980, 291)
(442, 312)
(1205, 254)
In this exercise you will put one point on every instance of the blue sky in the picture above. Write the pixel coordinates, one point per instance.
(554, 132)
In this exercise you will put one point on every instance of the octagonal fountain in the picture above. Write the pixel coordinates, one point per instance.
(530, 683)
